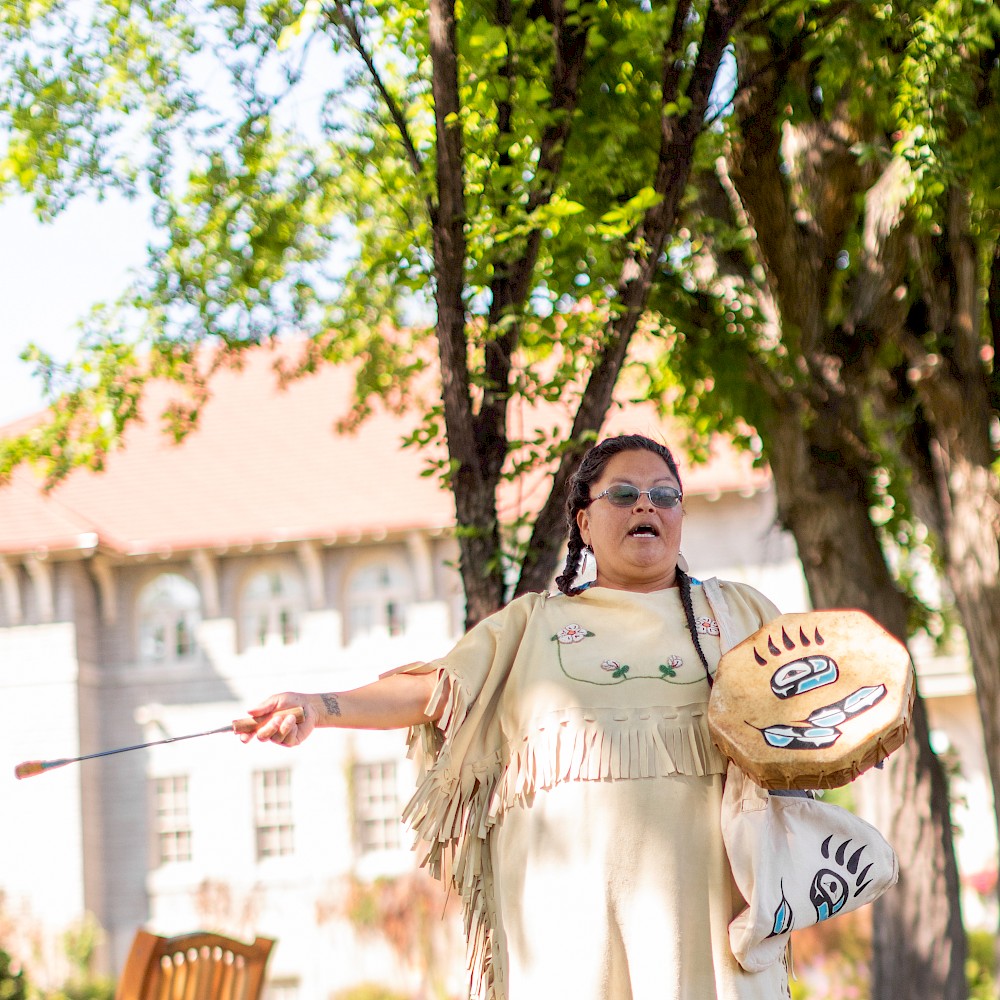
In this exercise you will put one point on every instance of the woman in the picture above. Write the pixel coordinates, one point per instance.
(573, 792)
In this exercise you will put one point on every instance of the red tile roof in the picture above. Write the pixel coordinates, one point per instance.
(265, 465)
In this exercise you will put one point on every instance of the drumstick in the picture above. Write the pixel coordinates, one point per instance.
(247, 725)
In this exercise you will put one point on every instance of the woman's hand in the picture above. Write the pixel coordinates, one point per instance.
(279, 722)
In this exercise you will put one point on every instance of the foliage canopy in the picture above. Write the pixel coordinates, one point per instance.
(504, 175)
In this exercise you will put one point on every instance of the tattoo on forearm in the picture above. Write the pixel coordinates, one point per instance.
(331, 704)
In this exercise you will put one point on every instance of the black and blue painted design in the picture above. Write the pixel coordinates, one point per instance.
(830, 890)
(802, 675)
(784, 916)
(847, 708)
(831, 887)
(800, 737)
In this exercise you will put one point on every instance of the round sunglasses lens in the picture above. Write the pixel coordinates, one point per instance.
(623, 495)
(664, 496)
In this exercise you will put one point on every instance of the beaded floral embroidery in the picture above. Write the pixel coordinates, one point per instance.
(706, 626)
(615, 668)
(570, 635)
(670, 668)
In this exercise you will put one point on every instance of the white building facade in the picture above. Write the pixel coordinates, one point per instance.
(111, 638)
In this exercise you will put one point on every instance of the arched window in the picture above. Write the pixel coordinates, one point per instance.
(377, 598)
(169, 612)
(273, 602)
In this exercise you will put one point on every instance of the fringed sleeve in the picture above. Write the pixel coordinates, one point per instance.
(461, 759)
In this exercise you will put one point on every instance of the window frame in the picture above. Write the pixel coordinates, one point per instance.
(377, 805)
(274, 619)
(384, 604)
(172, 819)
(273, 813)
(155, 613)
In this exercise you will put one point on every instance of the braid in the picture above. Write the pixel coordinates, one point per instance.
(684, 585)
(572, 567)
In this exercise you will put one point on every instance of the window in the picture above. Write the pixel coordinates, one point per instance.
(377, 596)
(273, 601)
(273, 812)
(173, 823)
(377, 807)
(169, 612)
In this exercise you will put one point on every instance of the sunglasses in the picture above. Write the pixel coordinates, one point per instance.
(625, 495)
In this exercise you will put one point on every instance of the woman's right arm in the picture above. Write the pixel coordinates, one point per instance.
(394, 701)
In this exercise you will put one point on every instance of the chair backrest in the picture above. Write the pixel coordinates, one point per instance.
(198, 966)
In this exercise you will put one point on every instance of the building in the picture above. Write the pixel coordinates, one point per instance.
(165, 595)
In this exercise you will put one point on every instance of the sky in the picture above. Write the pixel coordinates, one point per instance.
(50, 276)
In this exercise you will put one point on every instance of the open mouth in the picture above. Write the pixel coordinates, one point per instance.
(644, 531)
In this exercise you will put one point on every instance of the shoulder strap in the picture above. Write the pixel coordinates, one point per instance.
(720, 610)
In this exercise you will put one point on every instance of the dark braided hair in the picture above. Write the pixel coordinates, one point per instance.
(578, 497)
(684, 585)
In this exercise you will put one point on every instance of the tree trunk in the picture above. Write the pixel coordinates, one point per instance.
(943, 346)
(802, 201)
(918, 942)
(932, 963)
(475, 497)
(477, 439)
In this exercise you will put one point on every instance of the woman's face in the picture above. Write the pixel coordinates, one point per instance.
(635, 547)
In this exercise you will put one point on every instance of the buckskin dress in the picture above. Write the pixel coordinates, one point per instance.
(572, 797)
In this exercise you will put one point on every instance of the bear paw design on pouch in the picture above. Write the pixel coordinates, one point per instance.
(830, 890)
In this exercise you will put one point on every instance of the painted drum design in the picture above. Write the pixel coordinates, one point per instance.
(812, 700)
(803, 675)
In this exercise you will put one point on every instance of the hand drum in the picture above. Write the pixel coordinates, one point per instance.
(812, 700)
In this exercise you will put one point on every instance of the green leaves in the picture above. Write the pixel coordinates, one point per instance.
(302, 25)
(620, 221)
(237, 258)
(85, 101)
(291, 152)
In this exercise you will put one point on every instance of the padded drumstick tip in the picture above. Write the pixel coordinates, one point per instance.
(30, 768)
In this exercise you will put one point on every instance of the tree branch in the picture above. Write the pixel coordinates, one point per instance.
(512, 279)
(345, 18)
(779, 63)
(448, 218)
(677, 140)
(475, 499)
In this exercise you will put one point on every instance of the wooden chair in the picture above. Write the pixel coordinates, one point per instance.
(198, 966)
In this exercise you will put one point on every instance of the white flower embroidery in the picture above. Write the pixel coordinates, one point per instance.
(670, 668)
(609, 665)
(706, 626)
(572, 633)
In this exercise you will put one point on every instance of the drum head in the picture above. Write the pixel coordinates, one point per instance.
(812, 700)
